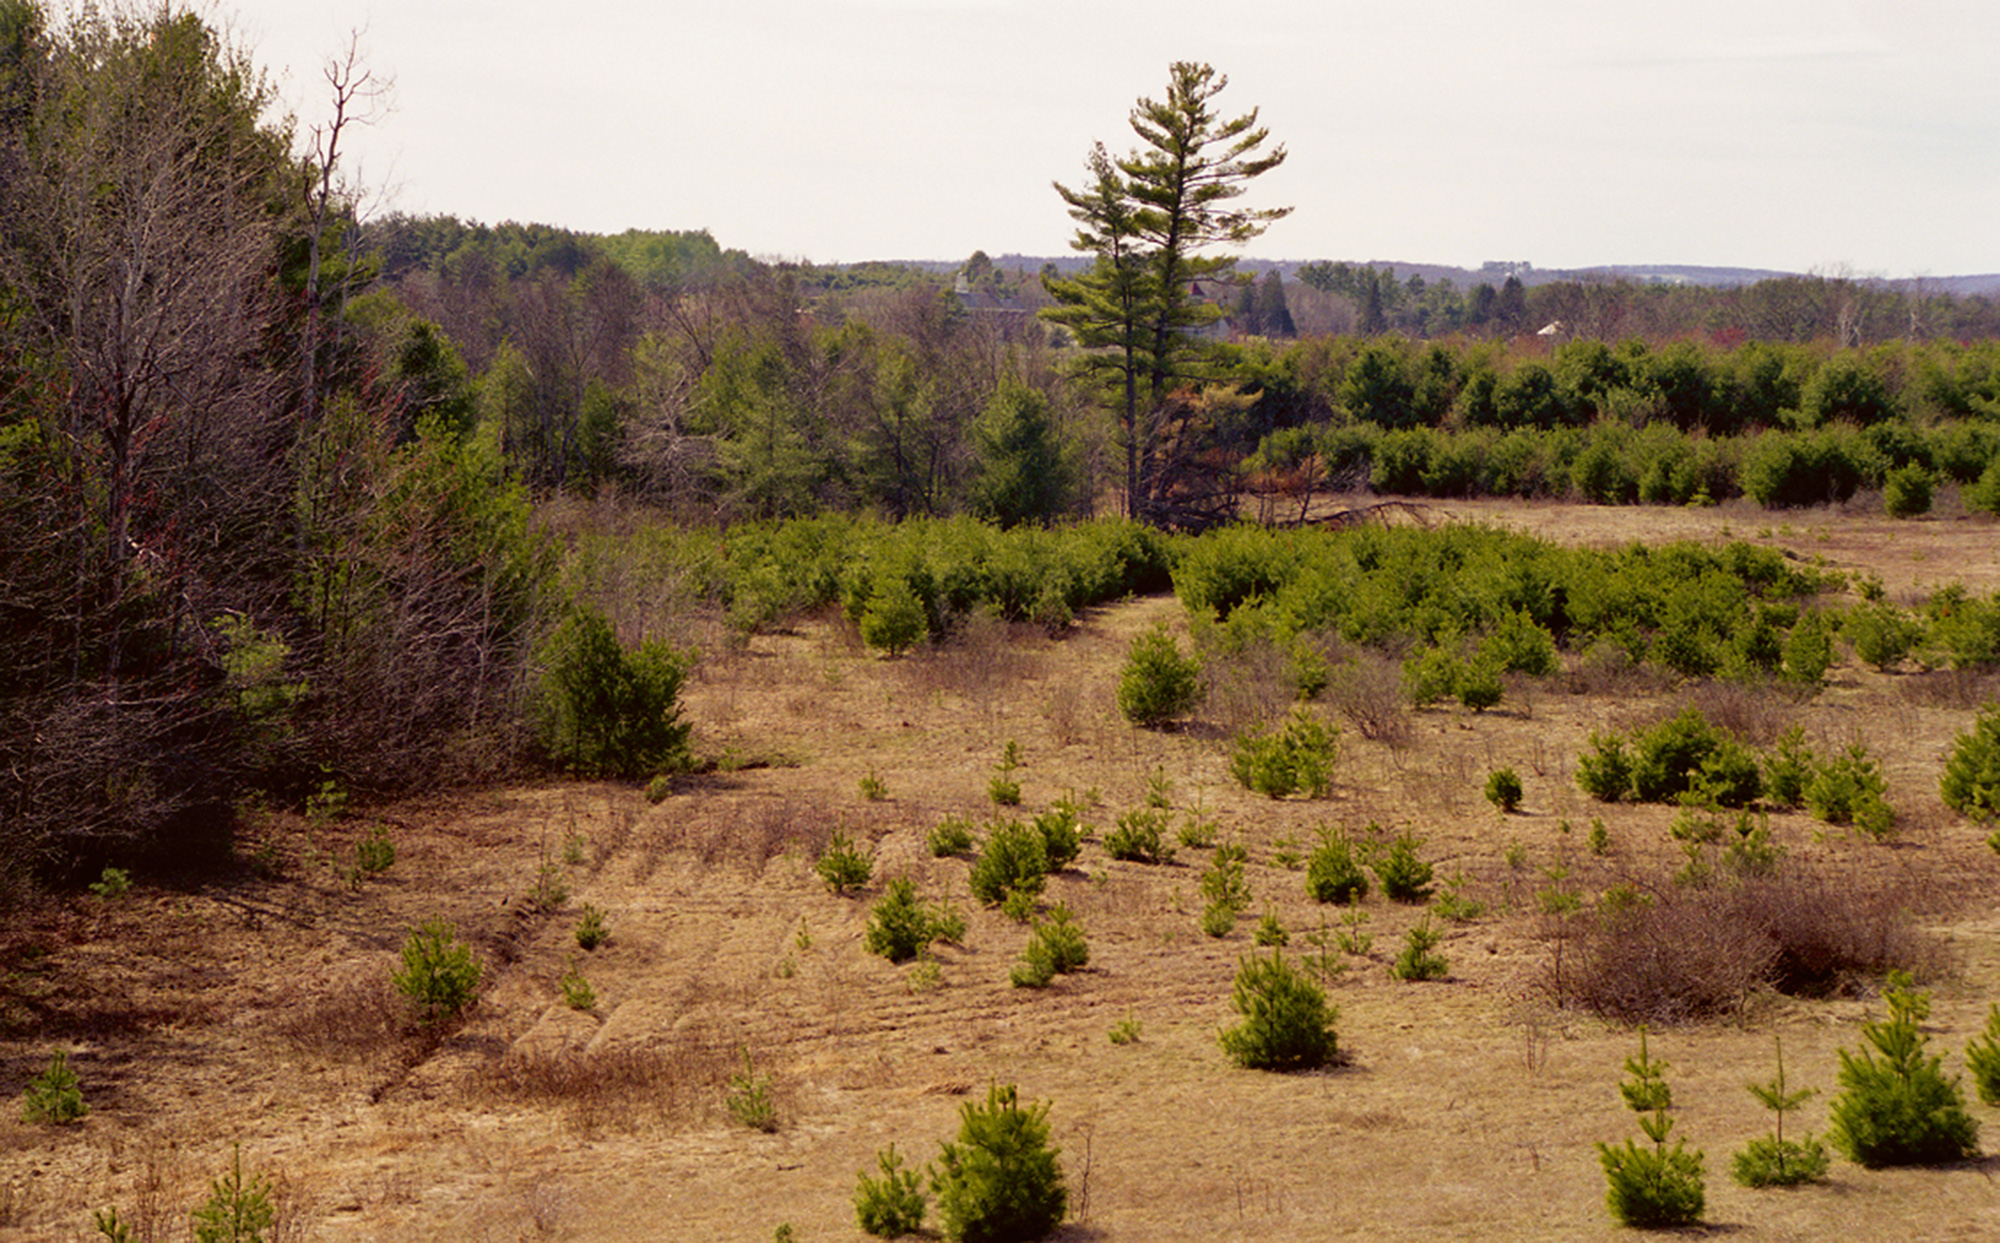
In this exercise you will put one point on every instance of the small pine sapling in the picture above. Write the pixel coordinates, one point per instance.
(576, 991)
(55, 1096)
(952, 836)
(238, 1209)
(1271, 932)
(1659, 1187)
(590, 929)
(1896, 1106)
(842, 866)
(1287, 1022)
(1000, 1180)
(1404, 875)
(1056, 947)
(1419, 959)
(749, 1099)
(1333, 874)
(893, 1205)
(1772, 1160)
(1982, 1058)
(1503, 789)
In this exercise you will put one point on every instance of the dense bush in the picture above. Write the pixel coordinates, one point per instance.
(890, 1206)
(1287, 1023)
(1158, 684)
(1896, 1107)
(439, 975)
(1014, 860)
(1000, 1181)
(1297, 756)
(607, 711)
(1681, 755)
(900, 927)
(1140, 836)
(1971, 781)
(1333, 873)
(1672, 953)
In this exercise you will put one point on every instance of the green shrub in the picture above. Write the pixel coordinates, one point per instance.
(1419, 961)
(1660, 1187)
(55, 1096)
(1224, 884)
(1333, 874)
(1982, 1058)
(842, 865)
(1015, 860)
(1971, 781)
(111, 884)
(1062, 835)
(1056, 947)
(439, 975)
(1297, 756)
(749, 1098)
(1899, 1108)
(1158, 684)
(1605, 771)
(893, 1205)
(609, 712)
(1271, 932)
(1287, 1023)
(893, 620)
(576, 990)
(951, 836)
(1686, 752)
(1772, 1160)
(1479, 686)
(1405, 876)
(374, 853)
(1984, 494)
(1140, 836)
(1503, 789)
(590, 929)
(1906, 493)
(1000, 1182)
(1789, 769)
(238, 1209)
(1848, 790)
(1882, 634)
(900, 927)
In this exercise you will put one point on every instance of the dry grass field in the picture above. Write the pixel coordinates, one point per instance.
(205, 1014)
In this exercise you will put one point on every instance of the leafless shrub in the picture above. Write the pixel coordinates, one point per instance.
(1756, 714)
(356, 1014)
(619, 1086)
(979, 662)
(1367, 689)
(1609, 670)
(1250, 687)
(1067, 711)
(1964, 689)
(1664, 953)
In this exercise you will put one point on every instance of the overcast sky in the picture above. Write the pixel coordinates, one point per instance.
(1855, 135)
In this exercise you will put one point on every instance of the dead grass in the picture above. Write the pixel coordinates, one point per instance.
(258, 1010)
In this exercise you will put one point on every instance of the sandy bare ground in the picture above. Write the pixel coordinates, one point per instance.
(205, 1015)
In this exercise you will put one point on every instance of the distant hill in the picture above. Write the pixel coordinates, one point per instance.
(1987, 285)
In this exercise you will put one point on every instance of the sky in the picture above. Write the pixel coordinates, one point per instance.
(1842, 136)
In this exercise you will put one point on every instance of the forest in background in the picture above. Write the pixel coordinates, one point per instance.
(270, 472)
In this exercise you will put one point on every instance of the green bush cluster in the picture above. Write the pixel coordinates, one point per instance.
(1158, 684)
(1333, 870)
(439, 975)
(1295, 757)
(1000, 1181)
(1683, 756)
(609, 711)
(1014, 860)
(900, 927)
(1056, 947)
(1970, 784)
